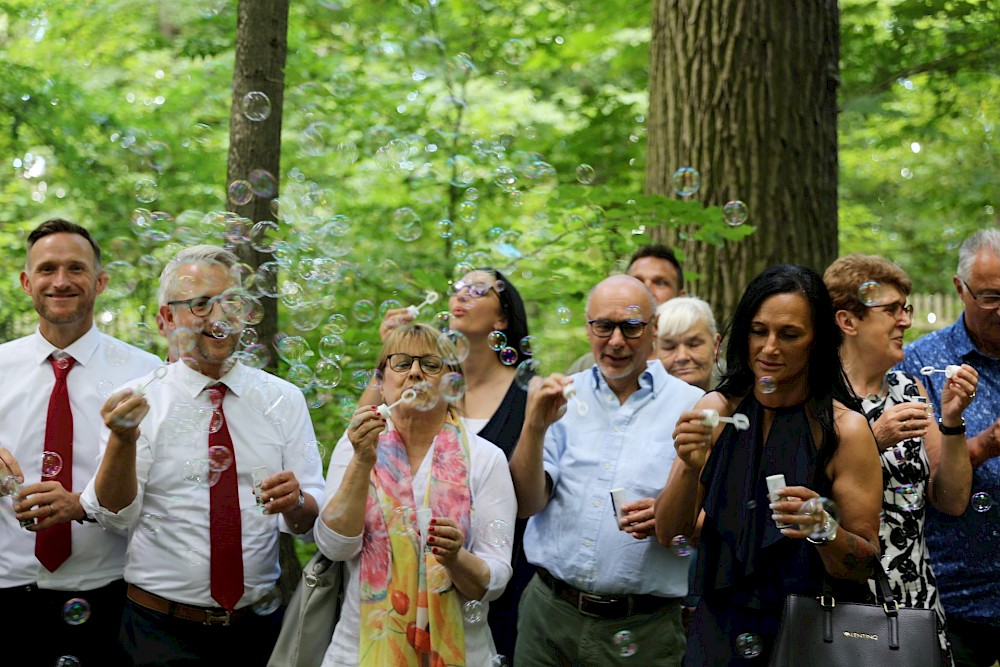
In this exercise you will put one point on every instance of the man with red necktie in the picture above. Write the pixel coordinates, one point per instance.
(205, 466)
(61, 574)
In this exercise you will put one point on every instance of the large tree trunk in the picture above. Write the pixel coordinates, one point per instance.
(745, 91)
(261, 47)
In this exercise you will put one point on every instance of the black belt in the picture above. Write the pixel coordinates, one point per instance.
(605, 606)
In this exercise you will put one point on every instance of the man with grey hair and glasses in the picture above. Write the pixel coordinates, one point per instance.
(964, 548)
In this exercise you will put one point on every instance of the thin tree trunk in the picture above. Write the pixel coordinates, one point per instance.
(261, 48)
(745, 92)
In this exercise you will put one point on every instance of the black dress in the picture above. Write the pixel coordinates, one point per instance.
(503, 430)
(745, 565)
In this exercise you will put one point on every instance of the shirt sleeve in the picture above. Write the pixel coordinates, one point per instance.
(120, 522)
(335, 546)
(553, 448)
(302, 456)
(495, 513)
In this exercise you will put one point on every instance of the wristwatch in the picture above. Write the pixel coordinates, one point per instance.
(302, 500)
(952, 430)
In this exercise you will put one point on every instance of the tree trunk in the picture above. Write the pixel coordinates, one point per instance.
(261, 47)
(745, 91)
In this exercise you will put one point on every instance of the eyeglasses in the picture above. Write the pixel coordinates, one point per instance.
(895, 309)
(429, 363)
(477, 290)
(606, 328)
(202, 306)
(984, 301)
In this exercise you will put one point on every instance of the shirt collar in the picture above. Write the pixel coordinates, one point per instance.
(194, 383)
(653, 378)
(960, 339)
(82, 349)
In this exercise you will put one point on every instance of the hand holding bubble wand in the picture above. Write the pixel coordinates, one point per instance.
(409, 396)
(713, 418)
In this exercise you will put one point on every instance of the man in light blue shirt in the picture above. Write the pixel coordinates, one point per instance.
(964, 548)
(606, 590)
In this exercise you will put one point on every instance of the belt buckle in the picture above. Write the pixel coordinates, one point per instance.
(590, 598)
(213, 617)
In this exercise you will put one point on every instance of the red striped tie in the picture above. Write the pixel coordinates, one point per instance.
(54, 545)
(226, 527)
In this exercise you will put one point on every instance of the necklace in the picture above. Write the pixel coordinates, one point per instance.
(877, 396)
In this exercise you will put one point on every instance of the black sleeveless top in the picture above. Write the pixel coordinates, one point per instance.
(743, 558)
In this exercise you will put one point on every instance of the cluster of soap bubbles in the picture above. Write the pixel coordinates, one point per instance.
(625, 643)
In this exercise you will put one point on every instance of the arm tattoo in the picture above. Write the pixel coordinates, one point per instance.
(859, 554)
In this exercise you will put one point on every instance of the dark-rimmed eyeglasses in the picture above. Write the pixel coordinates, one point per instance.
(202, 306)
(402, 362)
(895, 309)
(476, 290)
(606, 328)
(988, 301)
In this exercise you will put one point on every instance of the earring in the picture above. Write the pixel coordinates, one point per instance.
(497, 340)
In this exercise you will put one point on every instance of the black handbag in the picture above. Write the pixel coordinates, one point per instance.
(822, 631)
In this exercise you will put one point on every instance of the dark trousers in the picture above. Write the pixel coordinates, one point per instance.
(973, 644)
(36, 631)
(152, 638)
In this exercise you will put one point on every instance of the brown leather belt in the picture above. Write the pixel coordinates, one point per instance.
(605, 606)
(186, 612)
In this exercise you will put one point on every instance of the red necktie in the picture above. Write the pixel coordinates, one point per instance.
(54, 545)
(226, 527)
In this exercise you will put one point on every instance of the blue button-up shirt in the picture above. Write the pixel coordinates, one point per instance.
(965, 550)
(630, 446)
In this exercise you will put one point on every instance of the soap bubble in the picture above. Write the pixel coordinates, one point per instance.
(256, 106)
(625, 643)
(820, 510)
(870, 293)
(514, 52)
(52, 464)
(146, 190)
(496, 341)
(454, 347)
(981, 502)
(585, 174)
(767, 384)
(498, 533)
(220, 458)
(564, 315)
(263, 183)
(687, 181)
(473, 612)
(499, 661)
(527, 371)
(68, 661)
(508, 356)
(452, 387)
(749, 645)
(527, 345)
(681, 546)
(735, 213)
(240, 192)
(268, 600)
(76, 611)
(908, 497)
(363, 310)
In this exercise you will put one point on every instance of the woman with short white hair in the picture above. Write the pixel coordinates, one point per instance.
(687, 341)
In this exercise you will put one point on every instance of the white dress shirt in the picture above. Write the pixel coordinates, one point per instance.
(102, 362)
(492, 500)
(169, 543)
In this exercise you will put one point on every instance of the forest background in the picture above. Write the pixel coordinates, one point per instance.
(419, 139)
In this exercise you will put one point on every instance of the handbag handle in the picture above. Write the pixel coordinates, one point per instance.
(883, 594)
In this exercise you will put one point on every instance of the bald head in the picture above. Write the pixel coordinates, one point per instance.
(621, 316)
(625, 285)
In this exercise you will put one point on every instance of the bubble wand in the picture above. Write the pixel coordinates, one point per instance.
(431, 298)
(713, 418)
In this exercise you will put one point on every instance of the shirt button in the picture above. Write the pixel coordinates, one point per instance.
(607, 466)
(618, 429)
(586, 543)
(597, 503)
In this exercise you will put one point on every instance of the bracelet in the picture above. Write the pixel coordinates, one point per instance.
(829, 529)
(302, 500)
(952, 430)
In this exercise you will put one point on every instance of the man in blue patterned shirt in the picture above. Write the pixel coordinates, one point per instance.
(964, 549)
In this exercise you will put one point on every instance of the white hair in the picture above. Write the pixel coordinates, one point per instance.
(681, 314)
(984, 238)
(197, 254)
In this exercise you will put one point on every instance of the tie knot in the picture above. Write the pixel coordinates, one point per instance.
(61, 364)
(216, 393)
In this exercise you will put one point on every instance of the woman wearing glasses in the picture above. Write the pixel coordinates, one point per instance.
(483, 304)
(922, 459)
(412, 510)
